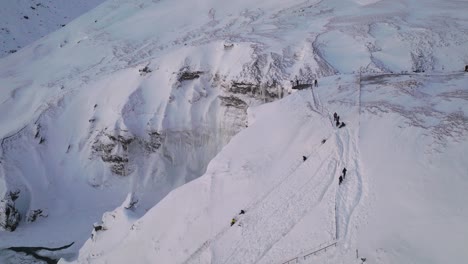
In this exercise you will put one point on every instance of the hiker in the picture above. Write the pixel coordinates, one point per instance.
(340, 180)
(337, 120)
(466, 68)
(304, 158)
(342, 125)
(315, 83)
(335, 115)
(242, 212)
(297, 82)
(233, 221)
(344, 173)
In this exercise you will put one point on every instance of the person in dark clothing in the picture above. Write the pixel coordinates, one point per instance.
(342, 125)
(340, 180)
(304, 158)
(242, 212)
(315, 83)
(344, 173)
(337, 120)
(334, 116)
(297, 82)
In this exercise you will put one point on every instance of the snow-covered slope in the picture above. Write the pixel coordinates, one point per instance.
(135, 98)
(24, 21)
(402, 201)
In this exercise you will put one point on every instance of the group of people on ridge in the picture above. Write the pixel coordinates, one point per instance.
(336, 118)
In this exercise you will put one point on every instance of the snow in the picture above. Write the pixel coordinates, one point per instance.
(166, 162)
(393, 201)
(43, 17)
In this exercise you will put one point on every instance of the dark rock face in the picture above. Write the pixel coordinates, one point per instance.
(114, 150)
(154, 142)
(145, 71)
(35, 214)
(188, 75)
(267, 92)
(243, 88)
(9, 215)
(109, 152)
(232, 101)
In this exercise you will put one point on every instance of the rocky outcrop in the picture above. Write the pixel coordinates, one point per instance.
(232, 101)
(266, 92)
(35, 214)
(154, 142)
(189, 75)
(113, 150)
(9, 215)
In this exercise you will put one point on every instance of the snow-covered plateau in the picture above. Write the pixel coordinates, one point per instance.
(139, 131)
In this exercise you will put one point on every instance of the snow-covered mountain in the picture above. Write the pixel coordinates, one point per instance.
(148, 119)
(24, 21)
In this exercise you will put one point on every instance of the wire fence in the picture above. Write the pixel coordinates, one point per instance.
(309, 254)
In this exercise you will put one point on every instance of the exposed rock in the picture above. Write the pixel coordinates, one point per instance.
(109, 153)
(122, 140)
(9, 215)
(266, 92)
(228, 45)
(145, 71)
(34, 214)
(232, 101)
(188, 75)
(101, 147)
(14, 195)
(119, 169)
(155, 141)
(301, 86)
(243, 88)
(114, 158)
(98, 227)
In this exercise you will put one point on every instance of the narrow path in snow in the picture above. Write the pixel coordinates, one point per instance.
(350, 191)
